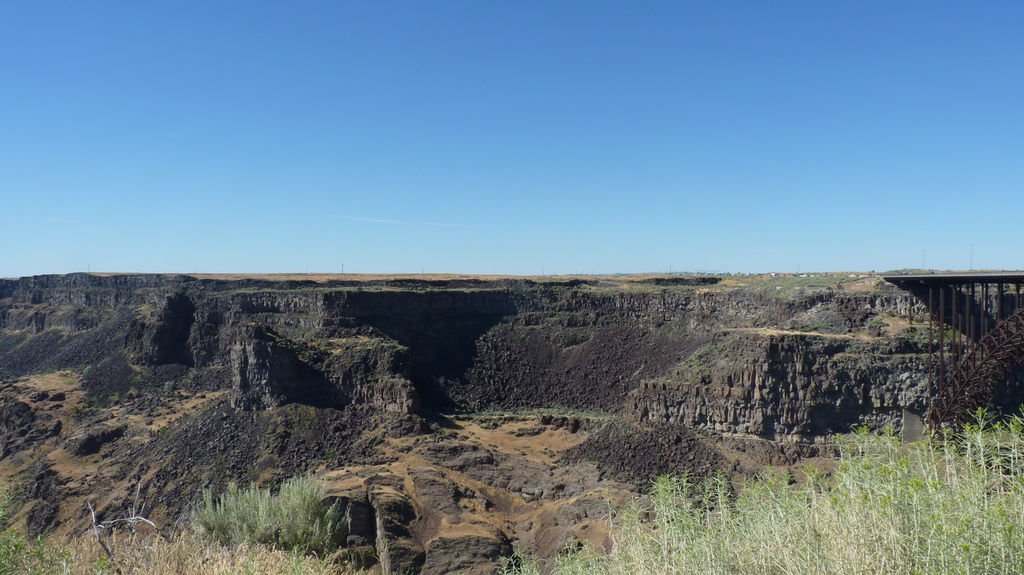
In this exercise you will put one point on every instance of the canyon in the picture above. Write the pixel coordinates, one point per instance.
(455, 420)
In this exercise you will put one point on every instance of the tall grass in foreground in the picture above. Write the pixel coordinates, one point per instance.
(182, 554)
(186, 554)
(953, 505)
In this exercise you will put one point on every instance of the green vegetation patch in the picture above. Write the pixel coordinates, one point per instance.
(949, 505)
(295, 519)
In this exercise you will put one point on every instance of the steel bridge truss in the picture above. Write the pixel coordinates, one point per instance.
(976, 338)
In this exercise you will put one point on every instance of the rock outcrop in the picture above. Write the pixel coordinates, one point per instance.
(788, 385)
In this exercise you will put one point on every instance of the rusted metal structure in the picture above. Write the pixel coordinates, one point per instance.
(976, 337)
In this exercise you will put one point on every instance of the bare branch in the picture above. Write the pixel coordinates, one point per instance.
(132, 521)
(96, 529)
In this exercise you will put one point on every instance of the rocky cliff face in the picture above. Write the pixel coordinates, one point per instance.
(177, 383)
(501, 346)
(788, 385)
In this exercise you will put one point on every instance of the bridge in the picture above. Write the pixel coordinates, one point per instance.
(975, 337)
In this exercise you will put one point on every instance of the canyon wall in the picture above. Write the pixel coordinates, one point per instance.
(801, 363)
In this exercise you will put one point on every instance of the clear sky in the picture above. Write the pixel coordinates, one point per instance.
(510, 136)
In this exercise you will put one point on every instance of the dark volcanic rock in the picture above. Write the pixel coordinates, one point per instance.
(358, 518)
(43, 489)
(397, 550)
(94, 439)
(467, 555)
(267, 372)
(638, 453)
(111, 377)
(167, 339)
(54, 348)
(22, 428)
(784, 384)
(219, 444)
(577, 366)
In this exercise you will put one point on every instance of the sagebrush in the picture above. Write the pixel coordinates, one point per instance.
(296, 518)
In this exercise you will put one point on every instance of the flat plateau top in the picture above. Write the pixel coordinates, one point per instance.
(1012, 277)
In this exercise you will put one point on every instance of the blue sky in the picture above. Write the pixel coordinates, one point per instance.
(510, 137)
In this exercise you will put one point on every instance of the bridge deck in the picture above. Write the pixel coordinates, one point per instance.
(947, 278)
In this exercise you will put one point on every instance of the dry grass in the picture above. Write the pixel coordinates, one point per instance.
(543, 447)
(187, 555)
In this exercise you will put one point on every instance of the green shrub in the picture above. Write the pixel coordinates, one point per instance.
(296, 518)
(875, 326)
(952, 505)
(21, 555)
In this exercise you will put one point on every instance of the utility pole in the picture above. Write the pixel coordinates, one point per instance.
(972, 257)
